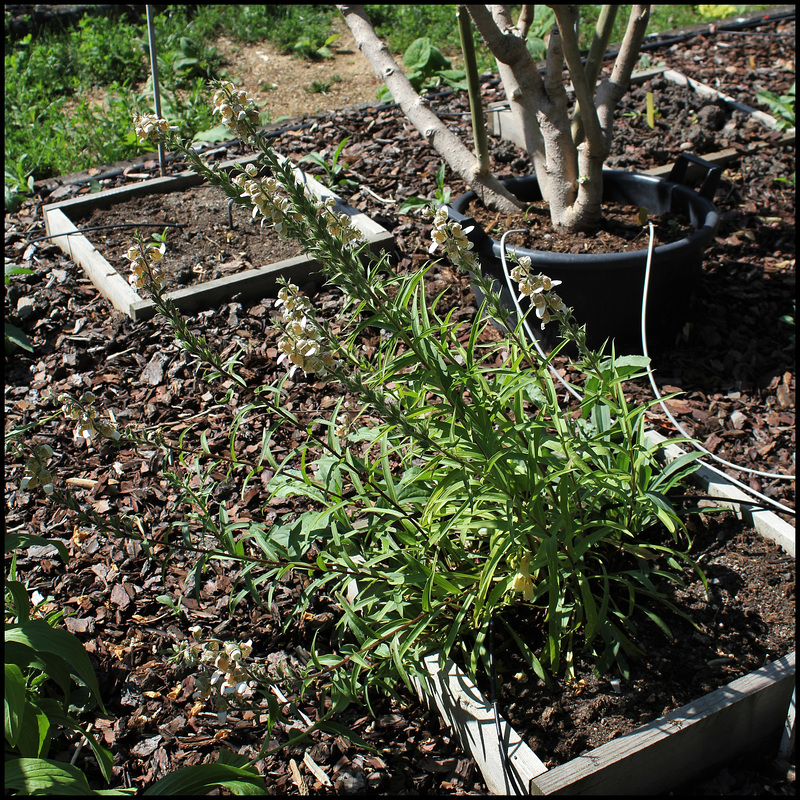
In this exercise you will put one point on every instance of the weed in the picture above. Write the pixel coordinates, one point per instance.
(782, 107)
(18, 183)
(441, 196)
(322, 86)
(335, 169)
(308, 48)
(426, 67)
(15, 339)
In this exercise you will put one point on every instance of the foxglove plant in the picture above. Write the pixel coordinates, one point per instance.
(474, 488)
(448, 485)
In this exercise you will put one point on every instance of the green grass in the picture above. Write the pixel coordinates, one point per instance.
(52, 128)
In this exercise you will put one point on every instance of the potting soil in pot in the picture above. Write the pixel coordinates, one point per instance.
(620, 230)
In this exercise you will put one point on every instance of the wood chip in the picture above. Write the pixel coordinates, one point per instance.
(297, 777)
(316, 770)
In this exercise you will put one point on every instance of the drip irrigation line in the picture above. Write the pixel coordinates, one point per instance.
(512, 780)
(493, 82)
(750, 503)
(106, 227)
(172, 156)
(696, 445)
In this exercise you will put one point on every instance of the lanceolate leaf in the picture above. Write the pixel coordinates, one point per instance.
(201, 778)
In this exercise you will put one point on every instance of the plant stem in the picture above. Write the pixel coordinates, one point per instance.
(474, 91)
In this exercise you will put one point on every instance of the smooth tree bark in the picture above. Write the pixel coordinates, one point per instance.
(568, 151)
(452, 149)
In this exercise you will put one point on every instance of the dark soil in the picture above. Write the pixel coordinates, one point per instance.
(748, 621)
(740, 63)
(619, 230)
(204, 249)
(735, 367)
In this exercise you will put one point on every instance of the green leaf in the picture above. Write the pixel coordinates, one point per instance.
(16, 540)
(536, 47)
(201, 778)
(34, 736)
(338, 729)
(15, 702)
(418, 55)
(411, 203)
(30, 776)
(39, 636)
(56, 716)
(12, 269)
(20, 600)
(16, 339)
(53, 666)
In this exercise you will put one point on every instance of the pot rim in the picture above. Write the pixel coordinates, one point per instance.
(699, 239)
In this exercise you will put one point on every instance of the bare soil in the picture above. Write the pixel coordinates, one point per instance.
(281, 84)
(205, 248)
(284, 84)
(746, 621)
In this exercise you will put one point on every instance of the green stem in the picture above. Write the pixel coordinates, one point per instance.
(602, 35)
(474, 91)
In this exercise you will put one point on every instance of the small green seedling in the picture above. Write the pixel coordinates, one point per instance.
(441, 196)
(335, 169)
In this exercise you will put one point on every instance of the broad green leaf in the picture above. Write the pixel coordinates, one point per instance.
(31, 776)
(56, 716)
(55, 667)
(13, 541)
(417, 55)
(20, 599)
(38, 635)
(15, 702)
(201, 778)
(34, 736)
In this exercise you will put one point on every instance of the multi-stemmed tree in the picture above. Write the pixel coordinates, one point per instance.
(568, 148)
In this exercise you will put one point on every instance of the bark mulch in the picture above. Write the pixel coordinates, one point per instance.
(735, 367)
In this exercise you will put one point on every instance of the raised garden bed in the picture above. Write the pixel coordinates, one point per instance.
(699, 736)
(245, 282)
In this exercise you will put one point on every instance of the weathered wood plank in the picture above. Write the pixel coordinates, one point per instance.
(465, 709)
(769, 525)
(104, 277)
(170, 183)
(262, 281)
(705, 733)
(692, 740)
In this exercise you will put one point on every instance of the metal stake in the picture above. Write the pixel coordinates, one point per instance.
(151, 35)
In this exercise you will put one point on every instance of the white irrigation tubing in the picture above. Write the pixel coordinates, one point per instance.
(695, 444)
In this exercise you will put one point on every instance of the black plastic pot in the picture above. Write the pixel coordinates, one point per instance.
(605, 289)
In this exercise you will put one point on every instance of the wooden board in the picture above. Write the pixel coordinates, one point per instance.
(107, 280)
(768, 525)
(696, 738)
(502, 122)
(468, 713)
(260, 282)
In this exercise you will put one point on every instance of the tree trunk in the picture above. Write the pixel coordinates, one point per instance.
(570, 176)
(491, 192)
